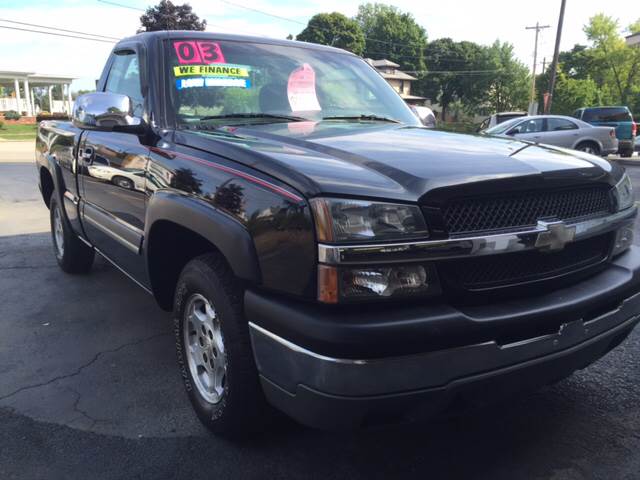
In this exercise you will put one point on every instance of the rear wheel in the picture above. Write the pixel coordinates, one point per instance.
(214, 349)
(589, 147)
(72, 254)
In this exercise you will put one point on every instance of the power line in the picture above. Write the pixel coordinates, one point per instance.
(280, 17)
(454, 71)
(57, 34)
(116, 4)
(57, 29)
(122, 5)
(263, 12)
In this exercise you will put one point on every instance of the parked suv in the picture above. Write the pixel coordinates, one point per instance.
(618, 117)
(321, 250)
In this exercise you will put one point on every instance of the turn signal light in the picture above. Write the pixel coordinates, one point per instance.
(327, 284)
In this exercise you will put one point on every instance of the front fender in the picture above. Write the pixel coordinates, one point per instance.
(68, 203)
(227, 234)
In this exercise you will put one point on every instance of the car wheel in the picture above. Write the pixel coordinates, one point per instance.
(589, 147)
(122, 182)
(214, 349)
(72, 254)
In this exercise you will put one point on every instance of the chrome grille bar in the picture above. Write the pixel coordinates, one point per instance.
(492, 244)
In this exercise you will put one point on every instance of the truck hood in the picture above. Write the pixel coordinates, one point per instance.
(390, 161)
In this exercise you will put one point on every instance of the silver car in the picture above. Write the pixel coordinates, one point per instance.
(560, 131)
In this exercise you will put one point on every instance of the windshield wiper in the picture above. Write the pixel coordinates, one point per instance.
(255, 115)
(375, 118)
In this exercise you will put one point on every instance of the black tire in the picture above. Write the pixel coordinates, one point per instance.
(626, 153)
(75, 256)
(241, 407)
(588, 147)
(122, 182)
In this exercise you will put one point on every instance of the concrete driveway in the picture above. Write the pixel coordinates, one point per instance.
(89, 389)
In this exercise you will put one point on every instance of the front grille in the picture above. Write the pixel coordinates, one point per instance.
(510, 269)
(524, 209)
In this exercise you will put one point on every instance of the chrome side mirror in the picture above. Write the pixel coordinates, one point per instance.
(105, 111)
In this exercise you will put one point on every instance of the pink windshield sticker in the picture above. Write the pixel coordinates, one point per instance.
(198, 52)
(301, 89)
(301, 128)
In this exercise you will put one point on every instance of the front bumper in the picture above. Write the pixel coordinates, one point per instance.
(327, 390)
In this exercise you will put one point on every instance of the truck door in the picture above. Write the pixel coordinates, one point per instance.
(113, 177)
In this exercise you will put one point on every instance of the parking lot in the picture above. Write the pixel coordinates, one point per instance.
(89, 388)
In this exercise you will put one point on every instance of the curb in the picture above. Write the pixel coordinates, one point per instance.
(629, 163)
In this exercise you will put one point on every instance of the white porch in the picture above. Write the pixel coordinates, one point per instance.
(23, 99)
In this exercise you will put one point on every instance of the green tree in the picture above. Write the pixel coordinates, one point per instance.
(334, 29)
(392, 34)
(615, 66)
(167, 16)
(576, 63)
(451, 81)
(508, 79)
(573, 93)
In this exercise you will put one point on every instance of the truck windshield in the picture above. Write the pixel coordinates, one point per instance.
(236, 83)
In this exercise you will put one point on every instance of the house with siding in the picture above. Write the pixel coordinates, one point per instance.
(399, 80)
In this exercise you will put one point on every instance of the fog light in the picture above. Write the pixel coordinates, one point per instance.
(385, 281)
(624, 239)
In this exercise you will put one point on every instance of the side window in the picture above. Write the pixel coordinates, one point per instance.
(557, 124)
(529, 126)
(124, 78)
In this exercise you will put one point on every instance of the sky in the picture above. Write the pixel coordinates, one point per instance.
(474, 20)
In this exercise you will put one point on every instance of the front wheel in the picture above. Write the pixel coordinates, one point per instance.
(214, 349)
(71, 253)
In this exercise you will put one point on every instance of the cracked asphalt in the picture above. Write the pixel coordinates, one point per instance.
(89, 388)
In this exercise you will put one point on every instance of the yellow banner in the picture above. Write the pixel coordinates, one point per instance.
(214, 70)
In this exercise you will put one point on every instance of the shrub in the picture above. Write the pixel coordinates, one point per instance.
(51, 116)
(12, 115)
(1, 124)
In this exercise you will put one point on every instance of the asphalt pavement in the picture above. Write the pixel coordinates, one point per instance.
(89, 388)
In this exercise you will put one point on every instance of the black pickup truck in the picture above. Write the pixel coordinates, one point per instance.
(324, 253)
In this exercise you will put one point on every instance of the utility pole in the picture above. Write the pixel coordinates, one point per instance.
(544, 64)
(554, 62)
(537, 28)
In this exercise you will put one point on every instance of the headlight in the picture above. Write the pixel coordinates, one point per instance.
(360, 220)
(624, 193)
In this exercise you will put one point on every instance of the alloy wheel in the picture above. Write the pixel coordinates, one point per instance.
(204, 348)
(58, 232)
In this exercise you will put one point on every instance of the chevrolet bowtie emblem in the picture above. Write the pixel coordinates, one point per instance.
(556, 236)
